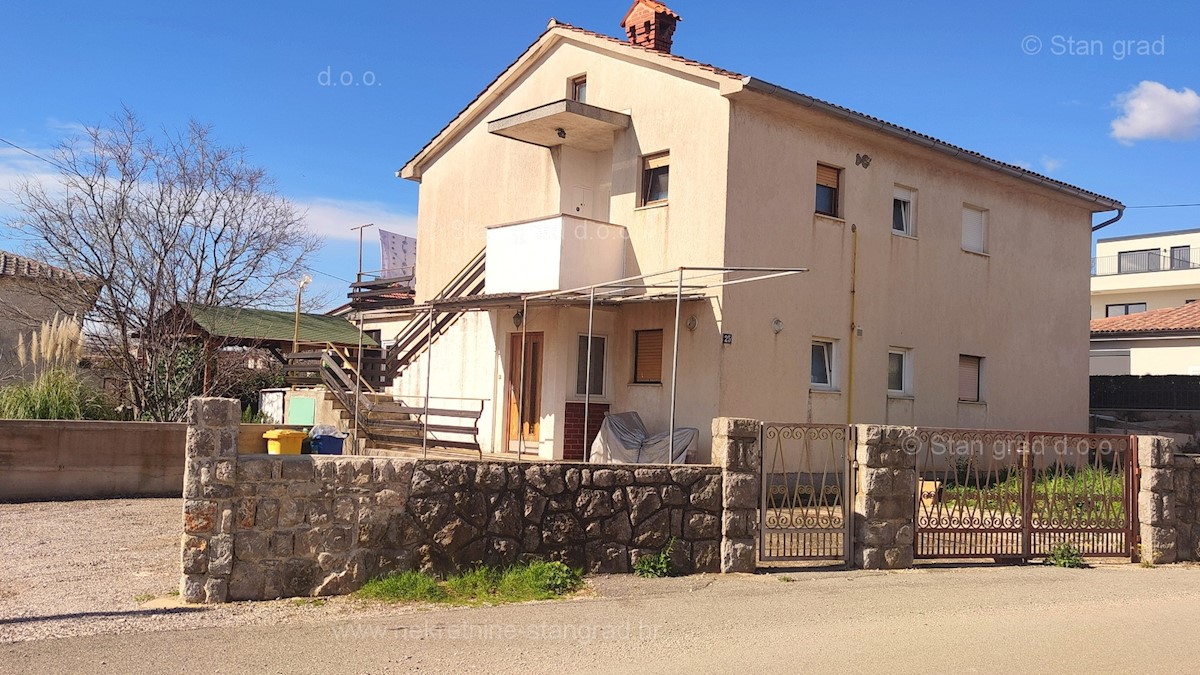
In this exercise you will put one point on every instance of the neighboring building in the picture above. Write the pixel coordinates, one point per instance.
(31, 293)
(1154, 342)
(945, 288)
(1145, 272)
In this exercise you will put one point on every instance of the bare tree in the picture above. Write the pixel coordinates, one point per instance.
(159, 220)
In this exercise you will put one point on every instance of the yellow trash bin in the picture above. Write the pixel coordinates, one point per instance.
(284, 441)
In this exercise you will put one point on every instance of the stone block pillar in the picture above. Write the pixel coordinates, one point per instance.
(210, 472)
(1156, 499)
(885, 498)
(735, 448)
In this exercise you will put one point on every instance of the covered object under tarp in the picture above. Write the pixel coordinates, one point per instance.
(623, 440)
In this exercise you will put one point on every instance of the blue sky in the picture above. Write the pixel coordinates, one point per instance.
(268, 77)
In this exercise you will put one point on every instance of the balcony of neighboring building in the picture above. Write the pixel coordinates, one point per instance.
(1147, 269)
(554, 253)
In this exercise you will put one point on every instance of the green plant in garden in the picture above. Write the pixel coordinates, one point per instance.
(1064, 554)
(657, 565)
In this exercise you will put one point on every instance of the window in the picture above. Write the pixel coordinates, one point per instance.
(1124, 308)
(647, 356)
(902, 211)
(579, 89)
(655, 172)
(1181, 257)
(899, 371)
(1146, 260)
(828, 186)
(596, 382)
(968, 378)
(974, 229)
(822, 364)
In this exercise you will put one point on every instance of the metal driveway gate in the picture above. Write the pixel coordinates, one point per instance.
(1016, 495)
(806, 492)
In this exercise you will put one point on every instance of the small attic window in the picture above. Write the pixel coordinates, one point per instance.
(578, 89)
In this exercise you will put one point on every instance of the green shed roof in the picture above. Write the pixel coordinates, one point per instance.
(273, 326)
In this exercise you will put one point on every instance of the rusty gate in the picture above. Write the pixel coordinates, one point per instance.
(1016, 495)
(807, 481)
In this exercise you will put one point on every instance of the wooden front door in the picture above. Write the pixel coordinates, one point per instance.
(525, 411)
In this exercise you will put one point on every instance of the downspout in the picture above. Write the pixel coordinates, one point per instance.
(853, 325)
(1110, 221)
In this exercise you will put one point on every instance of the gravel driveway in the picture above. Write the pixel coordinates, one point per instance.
(108, 566)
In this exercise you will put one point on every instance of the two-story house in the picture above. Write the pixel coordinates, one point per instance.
(944, 288)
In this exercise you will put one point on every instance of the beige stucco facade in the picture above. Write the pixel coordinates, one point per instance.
(742, 171)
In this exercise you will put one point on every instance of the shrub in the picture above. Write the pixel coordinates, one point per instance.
(55, 395)
(1064, 554)
(657, 565)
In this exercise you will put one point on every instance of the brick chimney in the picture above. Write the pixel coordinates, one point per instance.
(651, 25)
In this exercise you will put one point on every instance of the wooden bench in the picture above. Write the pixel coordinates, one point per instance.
(409, 425)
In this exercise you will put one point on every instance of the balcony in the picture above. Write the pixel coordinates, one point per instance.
(1137, 262)
(1148, 270)
(552, 254)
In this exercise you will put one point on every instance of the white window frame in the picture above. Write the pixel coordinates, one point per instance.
(906, 373)
(983, 238)
(909, 197)
(831, 356)
(581, 391)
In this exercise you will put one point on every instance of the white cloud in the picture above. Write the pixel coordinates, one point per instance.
(17, 166)
(1050, 165)
(333, 218)
(1151, 110)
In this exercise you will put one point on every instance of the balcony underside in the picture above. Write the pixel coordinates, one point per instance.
(570, 123)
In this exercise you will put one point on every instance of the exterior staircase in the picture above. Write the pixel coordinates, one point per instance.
(411, 342)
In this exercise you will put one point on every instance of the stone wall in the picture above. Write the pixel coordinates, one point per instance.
(1169, 501)
(265, 526)
(1186, 479)
(884, 499)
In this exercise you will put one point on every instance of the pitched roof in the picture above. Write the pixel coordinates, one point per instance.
(802, 99)
(274, 326)
(13, 265)
(1169, 320)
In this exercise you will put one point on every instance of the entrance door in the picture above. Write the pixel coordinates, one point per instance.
(525, 411)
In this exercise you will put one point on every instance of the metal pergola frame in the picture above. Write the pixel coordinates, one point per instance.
(680, 284)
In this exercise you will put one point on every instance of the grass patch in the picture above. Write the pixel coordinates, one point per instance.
(537, 580)
(55, 395)
(786, 579)
(143, 597)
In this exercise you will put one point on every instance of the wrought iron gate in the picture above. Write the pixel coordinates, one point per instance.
(806, 492)
(1016, 495)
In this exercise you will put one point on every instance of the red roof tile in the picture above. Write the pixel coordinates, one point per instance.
(656, 6)
(1171, 319)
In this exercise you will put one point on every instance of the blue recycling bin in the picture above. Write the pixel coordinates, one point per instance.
(328, 445)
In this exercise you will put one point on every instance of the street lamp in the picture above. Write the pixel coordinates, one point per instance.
(304, 281)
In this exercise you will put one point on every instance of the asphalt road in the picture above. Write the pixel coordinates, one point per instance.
(1114, 618)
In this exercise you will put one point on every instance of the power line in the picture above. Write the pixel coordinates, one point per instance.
(329, 275)
(1161, 206)
(33, 154)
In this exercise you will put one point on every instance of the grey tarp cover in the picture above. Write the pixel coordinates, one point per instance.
(623, 440)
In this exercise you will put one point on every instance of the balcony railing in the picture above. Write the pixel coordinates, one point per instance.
(1134, 262)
